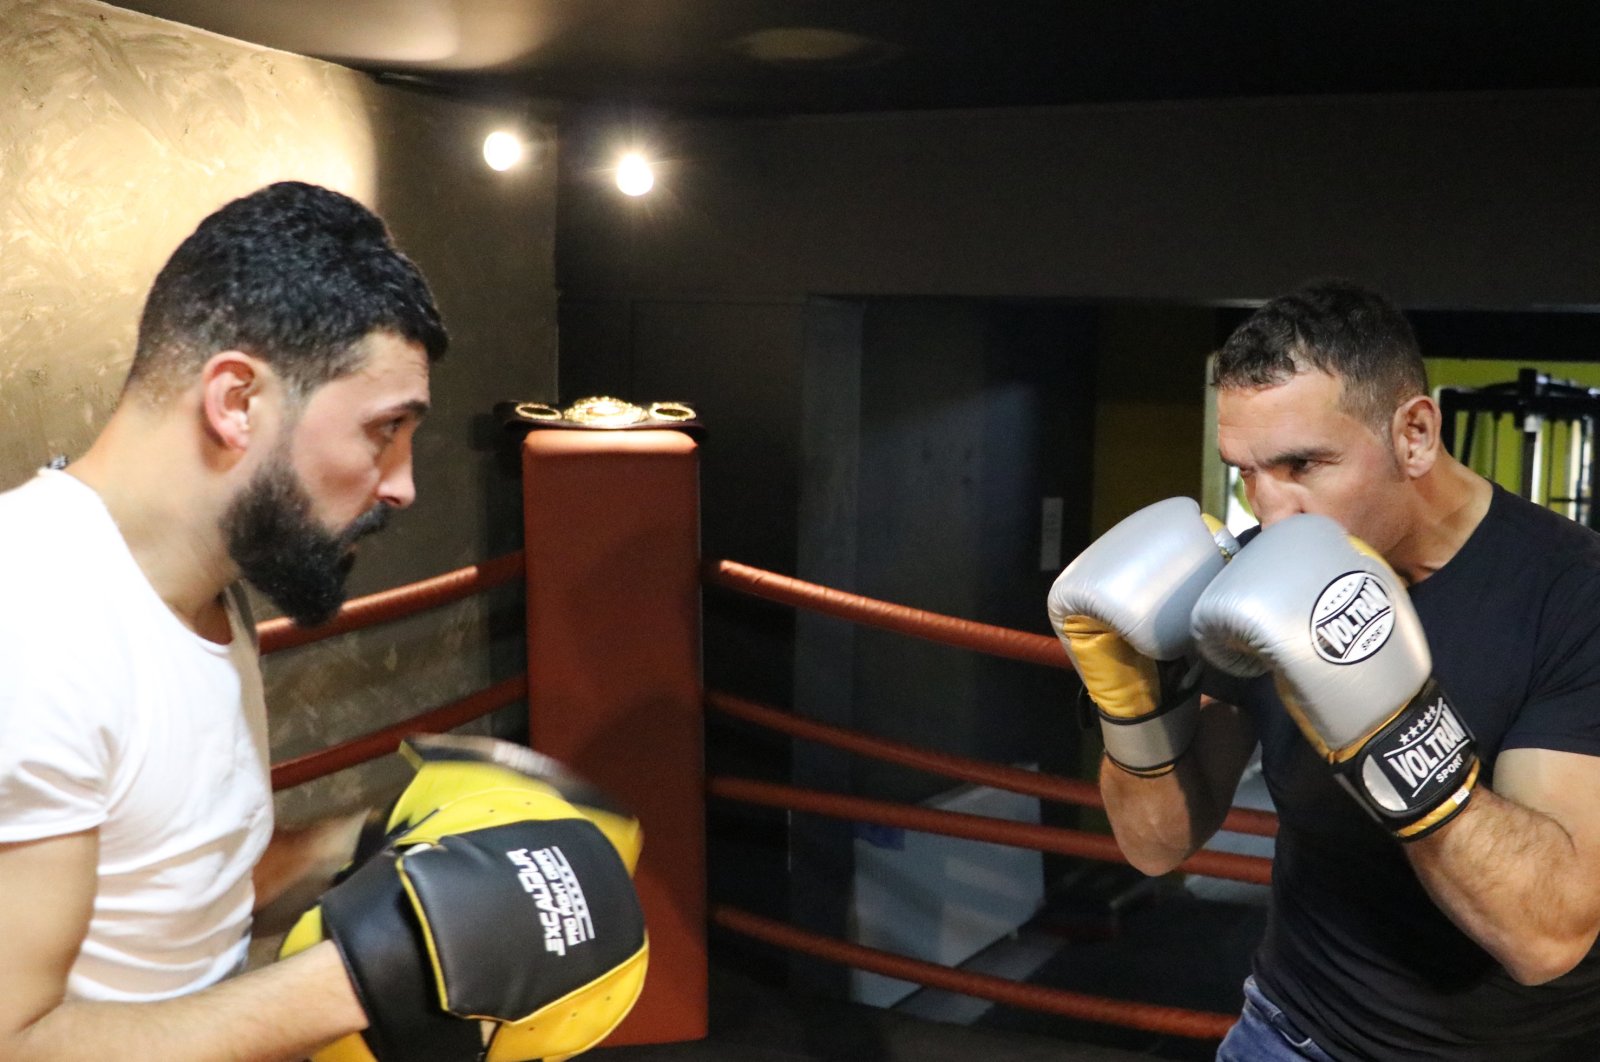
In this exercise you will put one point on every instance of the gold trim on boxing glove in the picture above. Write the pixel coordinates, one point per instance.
(1291, 703)
(1227, 545)
(1366, 550)
(1123, 682)
(1332, 755)
(1442, 814)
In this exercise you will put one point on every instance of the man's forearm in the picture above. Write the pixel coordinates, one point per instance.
(1161, 821)
(1150, 817)
(280, 1013)
(1511, 878)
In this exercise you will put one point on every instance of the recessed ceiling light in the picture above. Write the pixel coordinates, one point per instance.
(635, 175)
(502, 150)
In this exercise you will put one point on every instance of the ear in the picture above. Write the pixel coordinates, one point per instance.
(232, 384)
(1416, 435)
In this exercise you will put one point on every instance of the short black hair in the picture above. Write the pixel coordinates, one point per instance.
(1332, 326)
(294, 274)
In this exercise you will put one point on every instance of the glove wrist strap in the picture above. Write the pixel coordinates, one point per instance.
(1418, 770)
(1151, 744)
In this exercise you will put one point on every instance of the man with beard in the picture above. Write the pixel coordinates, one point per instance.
(280, 373)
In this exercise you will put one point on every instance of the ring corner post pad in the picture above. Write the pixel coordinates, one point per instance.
(612, 540)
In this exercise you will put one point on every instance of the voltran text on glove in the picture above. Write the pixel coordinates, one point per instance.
(549, 878)
(1432, 749)
(1352, 618)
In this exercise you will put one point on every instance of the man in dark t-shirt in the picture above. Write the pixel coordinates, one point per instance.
(1474, 939)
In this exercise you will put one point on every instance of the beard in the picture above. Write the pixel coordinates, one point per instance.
(284, 552)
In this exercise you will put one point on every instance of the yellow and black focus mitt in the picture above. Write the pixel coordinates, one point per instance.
(494, 918)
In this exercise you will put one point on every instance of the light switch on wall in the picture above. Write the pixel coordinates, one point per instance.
(1050, 518)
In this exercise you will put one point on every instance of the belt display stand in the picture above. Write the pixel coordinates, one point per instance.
(611, 519)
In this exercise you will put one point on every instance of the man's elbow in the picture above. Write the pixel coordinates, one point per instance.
(1543, 961)
(1154, 866)
(1153, 858)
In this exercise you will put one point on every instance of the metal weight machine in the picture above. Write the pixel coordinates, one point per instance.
(1551, 427)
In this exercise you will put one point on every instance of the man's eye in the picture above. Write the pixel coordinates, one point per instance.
(1298, 465)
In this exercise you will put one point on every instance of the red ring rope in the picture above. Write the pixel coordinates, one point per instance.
(1097, 846)
(1046, 786)
(946, 630)
(314, 765)
(389, 605)
(1153, 1017)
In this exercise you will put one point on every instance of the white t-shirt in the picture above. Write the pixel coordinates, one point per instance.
(114, 715)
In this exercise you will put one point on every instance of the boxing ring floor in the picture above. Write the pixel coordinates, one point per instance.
(753, 1020)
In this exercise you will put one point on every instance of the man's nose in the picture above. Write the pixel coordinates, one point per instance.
(396, 487)
(1272, 501)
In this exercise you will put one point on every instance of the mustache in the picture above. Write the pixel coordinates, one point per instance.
(373, 520)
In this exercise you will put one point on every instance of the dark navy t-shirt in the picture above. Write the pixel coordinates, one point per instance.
(1355, 951)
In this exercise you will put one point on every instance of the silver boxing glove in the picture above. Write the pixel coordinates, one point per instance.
(1350, 661)
(1122, 611)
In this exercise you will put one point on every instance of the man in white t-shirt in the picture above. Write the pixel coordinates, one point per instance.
(281, 370)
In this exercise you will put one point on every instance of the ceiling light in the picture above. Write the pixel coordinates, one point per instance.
(502, 150)
(634, 174)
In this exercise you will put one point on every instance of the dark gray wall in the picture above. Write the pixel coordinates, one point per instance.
(971, 413)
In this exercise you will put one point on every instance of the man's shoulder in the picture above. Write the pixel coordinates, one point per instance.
(50, 521)
(1539, 525)
(1539, 549)
(39, 509)
(53, 560)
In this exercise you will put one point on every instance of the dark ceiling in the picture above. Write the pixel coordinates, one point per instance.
(773, 57)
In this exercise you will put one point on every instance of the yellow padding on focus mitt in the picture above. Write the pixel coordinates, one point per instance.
(498, 922)
(451, 766)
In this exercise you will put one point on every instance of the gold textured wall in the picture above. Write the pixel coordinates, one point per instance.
(118, 133)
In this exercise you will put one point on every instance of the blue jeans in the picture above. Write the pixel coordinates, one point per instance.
(1264, 1033)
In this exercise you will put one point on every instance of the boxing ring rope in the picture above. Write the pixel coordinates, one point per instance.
(1153, 1017)
(386, 606)
(314, 765)
(1099, 846)
(1013, 779)
(946, 630)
